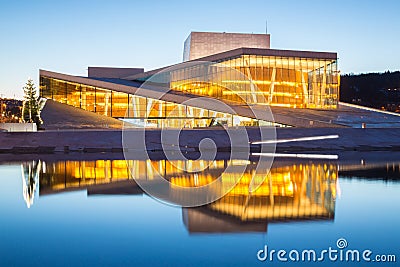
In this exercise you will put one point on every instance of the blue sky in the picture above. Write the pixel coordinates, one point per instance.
(68, 36)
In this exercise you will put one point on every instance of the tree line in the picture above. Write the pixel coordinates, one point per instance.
(377, 90)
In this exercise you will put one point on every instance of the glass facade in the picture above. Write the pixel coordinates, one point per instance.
(270, 80)
(137, 110)
(242, 80)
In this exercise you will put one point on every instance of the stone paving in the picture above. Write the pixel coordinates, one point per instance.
(350, 139)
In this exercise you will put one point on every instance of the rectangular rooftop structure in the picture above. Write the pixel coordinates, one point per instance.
(202, 44)
(110, 72)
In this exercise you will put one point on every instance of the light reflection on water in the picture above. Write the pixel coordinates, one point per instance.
(289, 191)
(88, 202)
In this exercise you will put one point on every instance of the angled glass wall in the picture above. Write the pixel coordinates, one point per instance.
(277, 81)
(138, 110)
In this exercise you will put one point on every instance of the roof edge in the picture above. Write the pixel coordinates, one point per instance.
(247, 51)
(269, 52)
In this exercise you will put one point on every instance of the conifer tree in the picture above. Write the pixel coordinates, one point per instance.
(32, 104)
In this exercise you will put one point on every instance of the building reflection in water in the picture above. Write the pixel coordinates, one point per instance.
(305, 191)
(290, 191)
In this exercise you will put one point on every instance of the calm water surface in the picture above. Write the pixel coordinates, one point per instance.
(90, 213)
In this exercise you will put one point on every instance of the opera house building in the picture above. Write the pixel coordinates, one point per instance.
(239, 70)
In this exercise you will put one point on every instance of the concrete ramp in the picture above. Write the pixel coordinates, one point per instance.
(57, 116)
